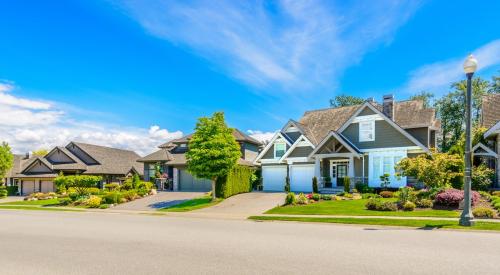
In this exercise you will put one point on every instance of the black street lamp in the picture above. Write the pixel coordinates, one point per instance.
(467, 219)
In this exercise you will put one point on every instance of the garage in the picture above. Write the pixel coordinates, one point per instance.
(301, 177)
(273, 178)
(28, 187)
(47, 186)
(189, 183)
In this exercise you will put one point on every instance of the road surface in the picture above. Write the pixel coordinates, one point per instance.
(42, 242)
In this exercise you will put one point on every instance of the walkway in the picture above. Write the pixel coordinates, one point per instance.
(158, 201)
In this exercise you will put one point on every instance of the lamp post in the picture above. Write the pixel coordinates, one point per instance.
(467, 219)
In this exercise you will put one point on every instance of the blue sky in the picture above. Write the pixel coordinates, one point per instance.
(134, 73)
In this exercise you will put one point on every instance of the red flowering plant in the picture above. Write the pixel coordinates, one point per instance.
(453, 197)
(310, 196)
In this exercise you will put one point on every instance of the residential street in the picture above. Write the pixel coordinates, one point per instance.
(42, 242)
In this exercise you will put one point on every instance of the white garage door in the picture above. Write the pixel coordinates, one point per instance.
(273, 178)
(47, 186)
(28, 187)
(301, 177)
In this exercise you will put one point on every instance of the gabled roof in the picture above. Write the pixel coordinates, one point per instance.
(34, 160)
(494, 130)
(295, 144)
(490, 110)
(483, 150)
(271, 142)
(238, 135)
(160, 155)
(340, 138)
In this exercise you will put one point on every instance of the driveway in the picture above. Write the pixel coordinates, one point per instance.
(158, 201)
(11, 199)
(243, 205)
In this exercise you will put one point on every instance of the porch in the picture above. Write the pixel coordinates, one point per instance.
(332, 170)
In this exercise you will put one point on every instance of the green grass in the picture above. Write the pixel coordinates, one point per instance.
(424, 224)
(356, 208)
(50, 202)
(190, 205)
(26, 207)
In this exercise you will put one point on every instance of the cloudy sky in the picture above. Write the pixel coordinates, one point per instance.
(133, 74)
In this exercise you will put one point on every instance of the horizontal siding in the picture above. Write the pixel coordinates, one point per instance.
(366, 112)
(420, 134)
(386, 136)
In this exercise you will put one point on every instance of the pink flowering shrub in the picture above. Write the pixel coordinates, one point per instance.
(453, 197)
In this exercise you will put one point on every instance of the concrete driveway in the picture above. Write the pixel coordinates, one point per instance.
(243, 205)
(158, 201)
(11, 199)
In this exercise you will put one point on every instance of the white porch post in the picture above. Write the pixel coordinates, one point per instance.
(317, 171)
(351, 167)
(176, 180)
(498, 160)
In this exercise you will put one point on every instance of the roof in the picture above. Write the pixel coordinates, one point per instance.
(491, 110)
(408, 114)
(160, 155)
(237, 134)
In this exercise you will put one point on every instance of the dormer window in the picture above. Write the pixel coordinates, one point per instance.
(279, 149)
(366, 130)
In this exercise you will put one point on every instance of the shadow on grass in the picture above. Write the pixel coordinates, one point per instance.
(165, 204)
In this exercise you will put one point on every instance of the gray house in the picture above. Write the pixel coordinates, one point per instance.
(489, 153)
(36, 174)
(361, 142)
(170, 162)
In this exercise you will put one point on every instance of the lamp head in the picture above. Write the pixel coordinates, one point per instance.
(470, 64)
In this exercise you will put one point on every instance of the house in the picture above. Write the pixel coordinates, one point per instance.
(361, 142)
(36, 174)
(170, 162)
(489, 153)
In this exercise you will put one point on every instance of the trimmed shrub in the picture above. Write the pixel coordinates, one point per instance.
(483, 212)
(316, 197)
(94, 191)
(127, 185)
(485, 195)
(144, 185)
(424, 203)
(130, 195)
(287, 184)
(238, 180)
(290, 199)
(387, 206)
(73, 196)
(315, 185)
(409, 206)
(112, 197)
(369, 196)
(104, 206)
(482, 178)
(363, 187)
(111, 186)
(65, 201)
(386, 194)
(93, 201)
(347, 195)
(496, 193)
(406, 194)
(81, 183)
(326, 197)
(372, 204)
(347, 184)
(453, 197)
(3, 191)
(302, 199)
(12, 190)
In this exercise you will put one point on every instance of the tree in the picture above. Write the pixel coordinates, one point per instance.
(345, 100)
(213, 151)
(6, 160)
(477, 137)
(426, 97)
(495, 87)
(40, 152)
(81, 183)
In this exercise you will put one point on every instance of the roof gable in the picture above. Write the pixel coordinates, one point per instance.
(301, 142)
(36, 166)
(483, 150)
(334, 143)
(277, 137)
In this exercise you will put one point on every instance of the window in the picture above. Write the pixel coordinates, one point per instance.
(387, 165)
(376, 167)
(279, 150)
(397, 159)
(367, 130)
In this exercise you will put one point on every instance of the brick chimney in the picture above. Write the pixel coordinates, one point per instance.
(388, 106)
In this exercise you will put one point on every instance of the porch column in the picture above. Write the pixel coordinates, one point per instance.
(351, 167)
(498, 160)
(317, 168)
(176, 179)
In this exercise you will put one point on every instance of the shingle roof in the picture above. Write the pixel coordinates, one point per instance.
(408, 114)
(491, 110)
(160, 155)
(238, 135)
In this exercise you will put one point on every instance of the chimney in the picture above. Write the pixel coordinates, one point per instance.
(388, 106)
(27, 156)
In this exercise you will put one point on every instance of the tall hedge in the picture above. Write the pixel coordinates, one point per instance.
(237, 181)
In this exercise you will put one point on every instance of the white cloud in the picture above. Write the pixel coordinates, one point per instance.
(439, 75)
(264, 137)
(28, 126)
(289, 44)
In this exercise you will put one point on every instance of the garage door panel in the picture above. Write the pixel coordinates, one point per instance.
(28, 187)
(47, 186)
(301, 178)
(189, 183)
(273, 178)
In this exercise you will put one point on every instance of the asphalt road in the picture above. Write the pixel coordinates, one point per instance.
(40, 242)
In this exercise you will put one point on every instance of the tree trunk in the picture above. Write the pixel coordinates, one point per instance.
(213, 188)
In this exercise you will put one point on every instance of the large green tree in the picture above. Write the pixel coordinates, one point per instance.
(6, 160)
(213, 151)
(426, 97)
(495, 87)
(345, 100)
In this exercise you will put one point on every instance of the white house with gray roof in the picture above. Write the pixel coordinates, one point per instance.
(362, 142)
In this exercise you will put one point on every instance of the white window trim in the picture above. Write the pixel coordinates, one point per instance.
(395, 181)
(372, 122)
(279, 143)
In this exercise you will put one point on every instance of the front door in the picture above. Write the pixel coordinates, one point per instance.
(338, 172)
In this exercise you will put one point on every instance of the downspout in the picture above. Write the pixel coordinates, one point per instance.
(363, 173)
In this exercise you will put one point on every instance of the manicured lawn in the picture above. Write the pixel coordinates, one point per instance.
(27, 207)
(425, 224)
(356, 208)
(50, 202)
(193, 204)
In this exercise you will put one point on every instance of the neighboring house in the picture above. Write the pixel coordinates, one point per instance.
(362, 142)
(36, 174)
(170, 160)
(489, 153)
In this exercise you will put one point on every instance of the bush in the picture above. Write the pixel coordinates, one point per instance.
(372, 204)
(142, 192)
(315, 185)
(386, 194)
(111, 186)
(482, 177)
(12, 190)
(302, 199)
(363, 187)
(127, 185)
(238, 180)
(3, 191)
(485, 195)
(406, 194)
(409, 206)
(424, 203)
(316, 197)
(496, 193)
(130, 195)
(326, 197)
(347, 195)
(287, 184)
(113, 197)
(370, 195)
(81, 183)
(104, 206)
(483, 212)
(290, 199)
(453, 197)
(73, 196)
(94, 191)
(387, 206)
(144, 185)
(347, 184)
(93, 201)
(65, 201)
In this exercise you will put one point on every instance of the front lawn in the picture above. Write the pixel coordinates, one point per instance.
(190, 205)
(356, 208)
(49, 202)
(424, 224)
(28, 207)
